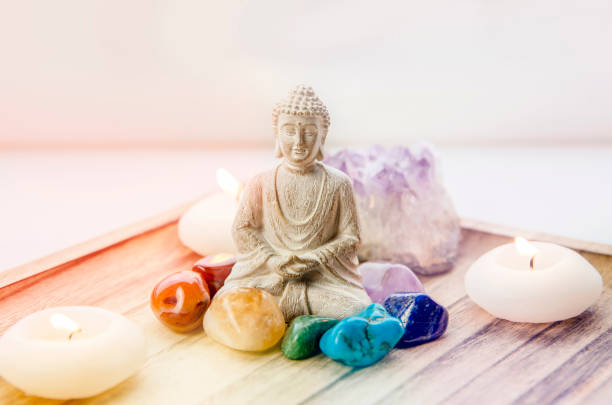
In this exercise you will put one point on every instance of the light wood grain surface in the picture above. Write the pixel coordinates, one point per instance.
(479, 359)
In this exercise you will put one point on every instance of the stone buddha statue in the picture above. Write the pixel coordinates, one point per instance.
(296, 229)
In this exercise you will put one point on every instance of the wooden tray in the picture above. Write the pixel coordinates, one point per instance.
(479, 360)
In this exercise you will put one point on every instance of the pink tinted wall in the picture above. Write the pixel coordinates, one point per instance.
(208, 72)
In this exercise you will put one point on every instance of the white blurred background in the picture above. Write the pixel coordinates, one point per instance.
(121, 107)
(199, 72)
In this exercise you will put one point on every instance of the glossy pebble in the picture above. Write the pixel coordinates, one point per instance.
(383, 279)
(302, 338)
(363, 339)
(423, 318)
(215, 269)
(245, 318)
(180, 300)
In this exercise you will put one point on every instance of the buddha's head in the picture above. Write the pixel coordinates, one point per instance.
(300, 124)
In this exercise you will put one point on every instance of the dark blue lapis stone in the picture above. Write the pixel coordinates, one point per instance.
(424, 319)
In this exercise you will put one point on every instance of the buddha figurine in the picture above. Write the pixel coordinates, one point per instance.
(296, 229)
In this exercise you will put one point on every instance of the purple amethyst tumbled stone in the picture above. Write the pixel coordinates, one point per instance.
(405, 213)
(424, 319)
(383, 279)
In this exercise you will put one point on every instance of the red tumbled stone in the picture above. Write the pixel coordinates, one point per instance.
(215, 269)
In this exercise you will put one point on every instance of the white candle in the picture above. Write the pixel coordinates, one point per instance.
(70, 352)
(561, 284)
(206, 227)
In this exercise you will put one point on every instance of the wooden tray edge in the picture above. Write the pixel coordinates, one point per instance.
(487, 227)
(96, 244)
(102, 242)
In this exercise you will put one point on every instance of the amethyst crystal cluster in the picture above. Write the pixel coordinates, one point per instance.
(406, 215)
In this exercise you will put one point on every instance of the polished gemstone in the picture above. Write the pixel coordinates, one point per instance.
(302, 338)
(362, 339)
(424, 319)
(245, 318)
(215, 269)
(180, 300)
(383, 279)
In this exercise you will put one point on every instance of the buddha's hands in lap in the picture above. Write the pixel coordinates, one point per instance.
(293, 267)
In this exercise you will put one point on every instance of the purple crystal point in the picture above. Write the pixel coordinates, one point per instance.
(380, 280)
(405, 213)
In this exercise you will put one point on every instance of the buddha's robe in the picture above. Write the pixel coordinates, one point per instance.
(329, 233)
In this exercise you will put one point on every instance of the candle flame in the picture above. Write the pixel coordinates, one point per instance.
(220, 258)
(526, 249)
(228, 183)
(61, 321)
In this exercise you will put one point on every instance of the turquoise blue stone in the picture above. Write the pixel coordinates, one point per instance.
(363, 339)
(423, 318)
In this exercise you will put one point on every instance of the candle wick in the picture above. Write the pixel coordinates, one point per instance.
(72, 333)
(531, 262)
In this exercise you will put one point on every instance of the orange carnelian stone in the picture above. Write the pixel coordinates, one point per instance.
(180, 300)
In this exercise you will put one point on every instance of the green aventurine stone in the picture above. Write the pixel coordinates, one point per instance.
(302, 338)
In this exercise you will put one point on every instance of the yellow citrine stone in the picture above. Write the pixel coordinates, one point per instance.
(245, 318)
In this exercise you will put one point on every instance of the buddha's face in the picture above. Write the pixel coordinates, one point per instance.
(299, 138)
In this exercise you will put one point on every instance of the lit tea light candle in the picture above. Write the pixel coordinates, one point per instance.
(206, 227)
(533, 282)
(526, 249)
(61, 321)
(70, 352)
(215, 269)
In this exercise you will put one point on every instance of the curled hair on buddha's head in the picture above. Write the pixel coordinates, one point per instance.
(301, 101)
